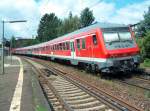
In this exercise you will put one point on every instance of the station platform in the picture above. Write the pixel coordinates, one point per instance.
(20, 89)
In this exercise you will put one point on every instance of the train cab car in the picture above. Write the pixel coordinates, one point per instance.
(101, 47)
(122, 52)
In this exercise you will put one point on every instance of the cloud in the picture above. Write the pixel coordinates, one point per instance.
(104, 11)
(131, 13)
(20, 10)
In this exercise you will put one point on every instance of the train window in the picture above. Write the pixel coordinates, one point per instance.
(83, 43)
(67, 45)
(94, 40)
(57, 46)
(64, 44)
(60, 46)
(64, 47)
(78, 43)
(53, 47)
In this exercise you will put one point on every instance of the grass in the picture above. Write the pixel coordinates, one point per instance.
(40, 108)
(146, 63)
(147, 94)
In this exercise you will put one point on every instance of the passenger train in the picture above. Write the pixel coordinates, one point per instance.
(103, 47)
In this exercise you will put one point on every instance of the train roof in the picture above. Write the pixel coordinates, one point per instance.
(101, 25)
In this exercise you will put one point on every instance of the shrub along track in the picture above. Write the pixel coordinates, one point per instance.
(105, 97)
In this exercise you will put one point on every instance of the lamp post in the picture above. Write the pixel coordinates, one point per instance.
(3, 22)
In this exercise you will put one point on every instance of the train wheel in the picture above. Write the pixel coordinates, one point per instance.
(96, 69)
(87, 68)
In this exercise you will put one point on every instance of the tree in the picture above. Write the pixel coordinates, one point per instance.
(47, 29)
(146, 45)
(145, 24)
(69, 24)
(13, 42)
(86, 17)
(144, 31)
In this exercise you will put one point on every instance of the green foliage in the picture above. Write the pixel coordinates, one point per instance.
(29, 42)
(13, 42)
(144, 42)
(147, 94)
(146, 62)
(146, 45)
(51, 26)
(139, 41)
(69, 24)
(48, 27)
(86, 17)
(40, 108)
(145, 24)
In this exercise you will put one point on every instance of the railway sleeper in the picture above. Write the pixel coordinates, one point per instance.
(101, 107)
(86, 105)
(77, 97)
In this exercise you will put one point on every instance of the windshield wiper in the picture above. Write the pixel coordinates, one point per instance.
(127, 40)
(110, 43)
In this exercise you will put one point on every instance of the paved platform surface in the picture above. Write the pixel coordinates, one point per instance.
(20, 89)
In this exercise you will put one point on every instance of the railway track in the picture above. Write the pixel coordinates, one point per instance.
(56, 103)
(66, 96)
(68, 84)
(137, 82)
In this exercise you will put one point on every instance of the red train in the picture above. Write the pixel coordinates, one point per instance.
(101, 47)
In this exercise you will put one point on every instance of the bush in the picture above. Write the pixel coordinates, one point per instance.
(146, 45)
(140, 44)
(146, 62)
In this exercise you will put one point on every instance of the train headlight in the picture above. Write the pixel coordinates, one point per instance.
(137, 58)
(110, 62)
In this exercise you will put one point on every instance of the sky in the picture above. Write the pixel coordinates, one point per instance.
(113, 11)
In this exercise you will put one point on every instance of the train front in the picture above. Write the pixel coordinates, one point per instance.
(121, 50)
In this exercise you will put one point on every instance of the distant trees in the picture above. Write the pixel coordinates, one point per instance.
(13, 42)
(48, 27)
(144, 30)
(86, 17)
(51, 26)
(145, 24)
(69, 24)
(146, 45)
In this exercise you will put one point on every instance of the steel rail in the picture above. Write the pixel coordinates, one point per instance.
(122, 105)
(61, 100)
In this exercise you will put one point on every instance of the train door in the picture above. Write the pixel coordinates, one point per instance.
(94, 46)
(72, 49)
(89, 47)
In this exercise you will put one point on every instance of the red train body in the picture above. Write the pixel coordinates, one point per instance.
(102, 46)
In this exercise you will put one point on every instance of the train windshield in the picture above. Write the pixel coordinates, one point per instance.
(125, 36)
(111, 37)
(118, 38)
